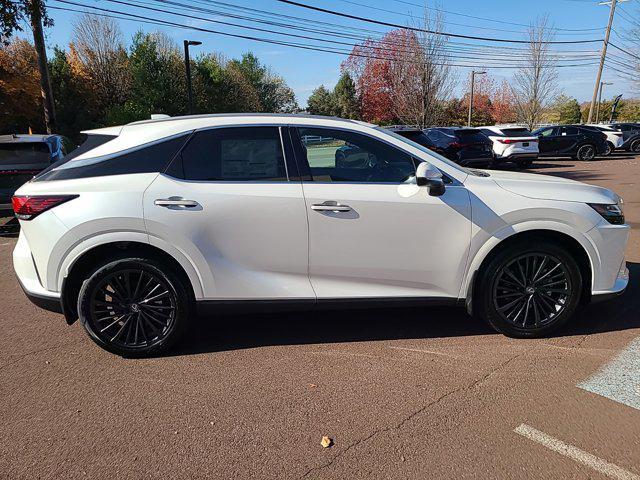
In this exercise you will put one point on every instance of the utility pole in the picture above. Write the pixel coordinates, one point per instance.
(41, 54)
(187, 68)
(602, 56)
(600, 99)
(473, 77)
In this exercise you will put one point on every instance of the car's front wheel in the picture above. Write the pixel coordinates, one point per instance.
(530, 289)
(609, 148)
(635, 146)
(586, 153)
(134, 307)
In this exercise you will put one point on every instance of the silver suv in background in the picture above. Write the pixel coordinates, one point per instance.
(512, 144)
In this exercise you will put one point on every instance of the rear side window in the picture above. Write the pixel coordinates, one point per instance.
(516, 132)
(470, 135)
(146, 159)
(251, 154)
(568, 131)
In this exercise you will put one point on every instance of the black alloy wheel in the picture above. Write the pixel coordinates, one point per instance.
(529, 288)
(532, 290)
(608, 149)
(635, 146)
(586, 153)
(132, 307)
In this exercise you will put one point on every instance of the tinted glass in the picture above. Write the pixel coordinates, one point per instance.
(344, 156)
(419, 137)
(146, 159)
(469, 135)
(516, 132)
(251, 154)
(547, 132)
(18, 153)
(568, 131)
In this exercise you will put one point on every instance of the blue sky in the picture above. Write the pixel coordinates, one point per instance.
(304, 70)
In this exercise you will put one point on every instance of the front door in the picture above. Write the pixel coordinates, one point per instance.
(226, 204)
(548, 141)
(372, 231)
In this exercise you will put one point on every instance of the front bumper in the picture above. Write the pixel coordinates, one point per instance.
(618, 288)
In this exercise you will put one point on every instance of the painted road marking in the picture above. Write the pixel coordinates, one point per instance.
(552, 443)
(619, 380)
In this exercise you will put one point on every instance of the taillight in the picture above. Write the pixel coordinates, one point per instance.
(508, 141)
(455, 145)
(27, 207)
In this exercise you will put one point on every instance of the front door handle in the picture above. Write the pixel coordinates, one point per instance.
(175, 202)
(330, 206)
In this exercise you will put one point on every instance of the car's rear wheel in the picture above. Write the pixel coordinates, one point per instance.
(608, 149)
(134, 307)
(635, 146)
(529, 289)
(586, 153)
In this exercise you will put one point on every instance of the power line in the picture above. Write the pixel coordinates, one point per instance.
(624, 51)
(446, 22)
(504, 22)
(395, 25)
(278, 42)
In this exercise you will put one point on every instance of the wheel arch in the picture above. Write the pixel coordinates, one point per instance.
(579, 250)
(87, 260)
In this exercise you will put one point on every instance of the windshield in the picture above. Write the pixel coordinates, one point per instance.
(24, 153)
(423, 149)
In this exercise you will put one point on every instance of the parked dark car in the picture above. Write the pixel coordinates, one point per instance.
(575, 141)
(630, 136)
(23, 156)
(465, 146)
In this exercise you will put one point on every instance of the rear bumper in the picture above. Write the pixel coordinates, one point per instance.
(517, 156)
(29, 278)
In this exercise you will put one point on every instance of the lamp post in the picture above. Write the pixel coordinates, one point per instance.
(187, 67)
(600, 99)
(473, 77)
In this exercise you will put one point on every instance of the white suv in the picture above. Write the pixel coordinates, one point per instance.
(512, 144)
(149, 223)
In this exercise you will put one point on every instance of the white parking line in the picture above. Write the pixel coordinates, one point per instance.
(552, 443)
(619, 380)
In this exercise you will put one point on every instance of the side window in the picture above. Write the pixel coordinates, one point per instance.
(344, 156)
(547, 133)
(568, 131)
(249, 154)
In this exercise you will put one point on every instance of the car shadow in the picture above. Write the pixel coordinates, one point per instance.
(234, 332)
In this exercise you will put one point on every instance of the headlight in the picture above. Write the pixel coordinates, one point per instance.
(612, 213)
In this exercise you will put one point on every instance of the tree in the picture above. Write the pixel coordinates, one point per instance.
(20, 98)
(274, 94)
(503, 104)
(535, 82)
(346, 98)
(322, 102)
(100, 49)
(564, 110)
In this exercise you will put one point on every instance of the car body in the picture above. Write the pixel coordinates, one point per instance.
(630, 135)
(219, 212)
(23, 156)
(512, 143)
(575, 141)
(614, 136)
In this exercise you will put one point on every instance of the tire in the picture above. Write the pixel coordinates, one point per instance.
(526, 163)
(515, 303)
(635, 146)
(610, 148)
(124, 311)
(586, 153)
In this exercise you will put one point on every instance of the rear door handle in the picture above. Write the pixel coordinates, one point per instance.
(330, 206)
(175, 202)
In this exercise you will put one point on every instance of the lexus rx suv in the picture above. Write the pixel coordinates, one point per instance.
(149, 223)
(512, 144)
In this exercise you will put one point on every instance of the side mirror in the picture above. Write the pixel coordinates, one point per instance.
(430, 178)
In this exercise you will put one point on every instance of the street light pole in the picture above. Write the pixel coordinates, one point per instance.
(187, 68)
(473, 76)
(600, 99)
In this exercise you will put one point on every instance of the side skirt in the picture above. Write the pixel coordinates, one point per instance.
(208, 307)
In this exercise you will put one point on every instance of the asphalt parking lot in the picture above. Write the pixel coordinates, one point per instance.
(403, 393)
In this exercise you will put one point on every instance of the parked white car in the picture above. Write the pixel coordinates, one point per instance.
(151, 222)
(614, 136)
(512, 143)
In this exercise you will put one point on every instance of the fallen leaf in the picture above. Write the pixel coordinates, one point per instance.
(326, 442)
(313, 385)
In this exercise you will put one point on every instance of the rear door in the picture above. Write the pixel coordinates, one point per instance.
(372, 231)
(227, 204)
(567, 140)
